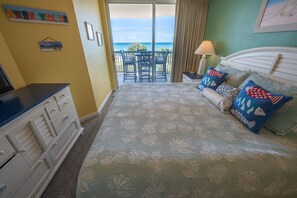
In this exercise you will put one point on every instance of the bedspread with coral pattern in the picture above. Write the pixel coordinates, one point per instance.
(166, 140)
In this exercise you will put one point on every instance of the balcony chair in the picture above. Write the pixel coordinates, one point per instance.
(129, 66)
(160, 62)
(144, 66)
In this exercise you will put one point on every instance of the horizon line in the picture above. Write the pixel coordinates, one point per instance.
(146, 42)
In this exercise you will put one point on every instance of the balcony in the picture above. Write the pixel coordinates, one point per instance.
(120, 71)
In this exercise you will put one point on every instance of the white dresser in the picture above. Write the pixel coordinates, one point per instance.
(36, 136)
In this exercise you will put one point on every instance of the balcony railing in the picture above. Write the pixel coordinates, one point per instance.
(119, 60)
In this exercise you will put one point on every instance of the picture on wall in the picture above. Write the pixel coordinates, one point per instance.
(90, 31)
(33, 15)
(50, 44)
(99, 38)
(277, 15)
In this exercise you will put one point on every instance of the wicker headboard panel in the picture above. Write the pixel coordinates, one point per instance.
(278, 63)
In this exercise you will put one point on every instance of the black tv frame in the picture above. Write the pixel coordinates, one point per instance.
(4, 78)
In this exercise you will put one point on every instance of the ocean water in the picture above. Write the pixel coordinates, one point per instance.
(159, 45)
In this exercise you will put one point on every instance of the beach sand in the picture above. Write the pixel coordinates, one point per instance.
(277, 15)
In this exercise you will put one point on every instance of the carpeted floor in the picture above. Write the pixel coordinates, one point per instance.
(63, 185)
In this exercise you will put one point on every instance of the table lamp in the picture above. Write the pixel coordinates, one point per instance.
(206, 48)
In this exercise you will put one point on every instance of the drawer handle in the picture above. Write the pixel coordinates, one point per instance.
(65, 118)
(47, 102)
(56, 143)
(62, 95)
(52, 111)
(2, 188)
(1, 152)
(40, 162)
(23, 150)
(66, 103)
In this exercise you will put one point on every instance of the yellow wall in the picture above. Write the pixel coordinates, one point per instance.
(35, 66)
(9, 65)
(95, 55)
(109, 53)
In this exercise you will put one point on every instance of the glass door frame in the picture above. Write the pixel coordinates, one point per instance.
(153, 3)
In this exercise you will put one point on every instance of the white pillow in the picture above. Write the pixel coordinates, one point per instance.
(218, 100)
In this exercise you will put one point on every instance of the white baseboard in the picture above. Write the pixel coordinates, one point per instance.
(87, 117)
(104, 102)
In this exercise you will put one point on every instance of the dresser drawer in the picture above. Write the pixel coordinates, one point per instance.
(6, 150)
(63, 119)
(12, 174)
(60, 145)
(32, 135)
(43, 128)
(39, 174)
(62, 95)
(66, 103)
(52, 109)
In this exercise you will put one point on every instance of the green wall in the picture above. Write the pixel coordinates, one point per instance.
(230, 25)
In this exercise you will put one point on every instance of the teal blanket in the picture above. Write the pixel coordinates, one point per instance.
(166, 140)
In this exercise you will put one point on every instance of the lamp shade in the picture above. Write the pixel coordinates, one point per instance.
(206, 48)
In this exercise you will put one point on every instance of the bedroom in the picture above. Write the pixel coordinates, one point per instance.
(229, 26)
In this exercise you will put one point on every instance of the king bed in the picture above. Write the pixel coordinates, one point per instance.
(167, 140)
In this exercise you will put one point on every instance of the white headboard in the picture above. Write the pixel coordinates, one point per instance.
(279, 63)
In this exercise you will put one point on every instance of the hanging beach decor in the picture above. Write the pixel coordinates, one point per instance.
(50, 44)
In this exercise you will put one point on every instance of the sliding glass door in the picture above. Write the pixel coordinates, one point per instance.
(142, 35)
(164, 32)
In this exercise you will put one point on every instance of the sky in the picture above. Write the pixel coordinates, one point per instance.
(274, 2)
(133, 23)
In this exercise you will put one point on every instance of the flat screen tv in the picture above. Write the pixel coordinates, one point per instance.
(5, 84)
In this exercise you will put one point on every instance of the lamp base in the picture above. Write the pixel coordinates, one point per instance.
(201, 69)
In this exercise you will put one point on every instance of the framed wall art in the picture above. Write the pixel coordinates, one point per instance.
(276, 16)
(33, 15)
(99, 38)
(90, 31)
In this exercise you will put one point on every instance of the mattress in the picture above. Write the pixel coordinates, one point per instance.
(166, 140)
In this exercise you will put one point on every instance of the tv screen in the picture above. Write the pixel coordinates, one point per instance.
(5, 84)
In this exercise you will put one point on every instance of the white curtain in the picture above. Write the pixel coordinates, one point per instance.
(189, 32)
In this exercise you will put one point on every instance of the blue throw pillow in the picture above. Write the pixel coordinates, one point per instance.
(254, 105)
(212, 79)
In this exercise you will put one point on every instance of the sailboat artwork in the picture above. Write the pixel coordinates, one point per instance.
(278, 15)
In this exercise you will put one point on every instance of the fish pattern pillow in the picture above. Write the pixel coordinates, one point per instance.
(254, 105)
(212, 79)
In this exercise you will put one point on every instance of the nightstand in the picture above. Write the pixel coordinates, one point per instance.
(190, 77)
